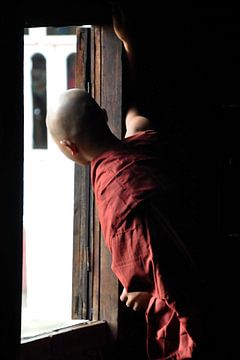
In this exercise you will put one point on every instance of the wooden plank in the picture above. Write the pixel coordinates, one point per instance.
(111, 100)
(111, 89)
(71, 345)
(80, 296)
(36, 349)
(80, 244)
(96, 288)
(96, 63)
(68, 344)
(81, 57)
(95, 231)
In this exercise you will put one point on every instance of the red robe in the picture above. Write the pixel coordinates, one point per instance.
(132, 189)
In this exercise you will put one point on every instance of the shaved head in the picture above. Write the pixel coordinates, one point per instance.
(74, 113)
(78, 125)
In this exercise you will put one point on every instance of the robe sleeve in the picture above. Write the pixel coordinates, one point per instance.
(136, 265)
(167, 335)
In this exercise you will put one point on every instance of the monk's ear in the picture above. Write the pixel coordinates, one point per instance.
(70, 146)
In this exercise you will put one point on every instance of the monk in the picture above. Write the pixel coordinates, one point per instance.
(135, 195)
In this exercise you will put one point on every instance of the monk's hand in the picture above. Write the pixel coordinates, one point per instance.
(137, 300)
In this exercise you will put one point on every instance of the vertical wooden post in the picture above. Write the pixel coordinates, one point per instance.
(111, 100)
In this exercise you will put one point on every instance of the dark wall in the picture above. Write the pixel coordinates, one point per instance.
(11, 181)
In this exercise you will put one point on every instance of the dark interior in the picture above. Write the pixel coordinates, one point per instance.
(192, 57)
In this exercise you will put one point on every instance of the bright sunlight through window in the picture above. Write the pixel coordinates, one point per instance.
(48, 188)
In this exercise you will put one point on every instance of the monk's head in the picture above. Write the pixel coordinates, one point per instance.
(78, 125)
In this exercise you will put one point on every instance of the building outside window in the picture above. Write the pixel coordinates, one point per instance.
(49, 66)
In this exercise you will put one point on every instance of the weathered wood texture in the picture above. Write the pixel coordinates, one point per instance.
(111, 100)
(84, 342)
(80, 288)
(95, 287)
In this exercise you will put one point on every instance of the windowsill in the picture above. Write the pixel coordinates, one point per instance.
(72, 341)
(35, 329)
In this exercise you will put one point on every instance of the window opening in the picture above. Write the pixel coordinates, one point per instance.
(63, 30)
(71, 63)
(47, 209)
(39, 101)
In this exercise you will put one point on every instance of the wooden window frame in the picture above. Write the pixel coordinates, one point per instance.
(72, 343)
(98, 67)
(95, 291)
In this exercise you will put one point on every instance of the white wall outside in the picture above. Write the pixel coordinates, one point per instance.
(48, 192)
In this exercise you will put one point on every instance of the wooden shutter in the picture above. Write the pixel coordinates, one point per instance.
(81, 265)
(95, 287)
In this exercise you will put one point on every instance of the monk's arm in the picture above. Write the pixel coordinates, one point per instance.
(136, 119)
